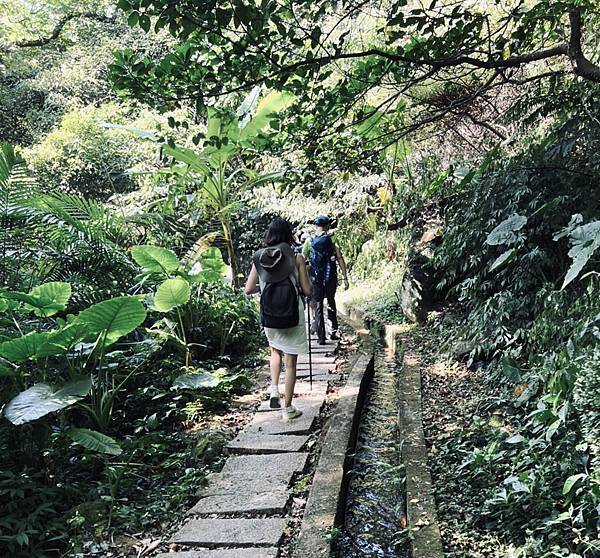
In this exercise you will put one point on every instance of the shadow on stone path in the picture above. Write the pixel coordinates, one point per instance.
(257, 480)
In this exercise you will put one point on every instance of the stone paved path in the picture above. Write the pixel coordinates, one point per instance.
(257, 480)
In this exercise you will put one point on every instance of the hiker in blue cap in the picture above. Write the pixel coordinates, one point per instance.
(323, 255)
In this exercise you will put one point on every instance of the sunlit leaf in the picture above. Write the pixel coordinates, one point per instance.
(113, 318)
(572, 481)
(503, 258)
(23, 348)
(504, 233)
(155, 258)
(50, 298)
(171, 293)
(197, 380)
(42, 399)
(95, 441)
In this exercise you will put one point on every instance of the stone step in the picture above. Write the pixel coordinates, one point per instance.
(256, 465)
(322, 350)
(231, 532)
(220, 484)
(223, 553)
(316, 369)
(318, 375)
(318, 393)
(316, 359)
(327, 365)
(303, 388)
(271, 423)
(247, 442)
(239, 501)
(303, 371)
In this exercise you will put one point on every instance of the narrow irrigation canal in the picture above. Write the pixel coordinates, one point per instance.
(375, 508)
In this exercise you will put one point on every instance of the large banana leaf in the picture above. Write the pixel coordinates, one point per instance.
(94, 441)
(171, 293)
(248, 106)
(155, 258)
(272, 103)
(217, 123)
(195, 161)
(198, 248)
(113, 318)
(42, 399)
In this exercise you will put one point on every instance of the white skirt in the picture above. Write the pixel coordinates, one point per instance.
(292, 340)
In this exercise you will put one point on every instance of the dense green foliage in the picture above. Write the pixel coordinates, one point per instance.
(537, 474)
(354, 66)
(153, 141)
(89, 388)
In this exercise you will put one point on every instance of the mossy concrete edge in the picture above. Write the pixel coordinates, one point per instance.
(426, 540)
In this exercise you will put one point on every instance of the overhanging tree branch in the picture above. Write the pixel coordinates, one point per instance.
(581, 65)
(58, 28)
(572, 49)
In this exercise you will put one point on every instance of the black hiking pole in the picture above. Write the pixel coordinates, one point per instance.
(309, 344)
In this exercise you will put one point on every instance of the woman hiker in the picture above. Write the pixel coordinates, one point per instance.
(279, 275)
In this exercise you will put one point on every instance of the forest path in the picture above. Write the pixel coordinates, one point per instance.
(245, 509)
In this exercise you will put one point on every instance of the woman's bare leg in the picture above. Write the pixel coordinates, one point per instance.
(290, 378)
(275, 366)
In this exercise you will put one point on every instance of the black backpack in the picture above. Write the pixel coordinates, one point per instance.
(279, 302)
(323, 268)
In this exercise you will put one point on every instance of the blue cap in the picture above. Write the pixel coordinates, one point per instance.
(322, 220)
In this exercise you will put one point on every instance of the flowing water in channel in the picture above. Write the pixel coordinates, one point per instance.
(375, 510)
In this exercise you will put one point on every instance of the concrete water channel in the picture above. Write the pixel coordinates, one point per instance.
(375, 515)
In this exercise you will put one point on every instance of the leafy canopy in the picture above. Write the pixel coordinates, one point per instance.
(344, 63)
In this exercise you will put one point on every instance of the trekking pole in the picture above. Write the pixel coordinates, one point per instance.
(309, 344)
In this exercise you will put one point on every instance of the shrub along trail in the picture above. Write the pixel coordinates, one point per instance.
(495, 491)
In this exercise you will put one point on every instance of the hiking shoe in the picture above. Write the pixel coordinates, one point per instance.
(322, 342)
(290, 413)
(334, 336)
(274, 397)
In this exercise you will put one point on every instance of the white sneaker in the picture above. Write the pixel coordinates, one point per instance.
(290, 413)
(274, 397)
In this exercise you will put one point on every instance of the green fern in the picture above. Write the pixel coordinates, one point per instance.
(57, 236)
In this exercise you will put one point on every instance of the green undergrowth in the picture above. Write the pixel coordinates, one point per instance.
(113, 411)
(514, 451)
(376, 278)
(73, 500)
(513, 406)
